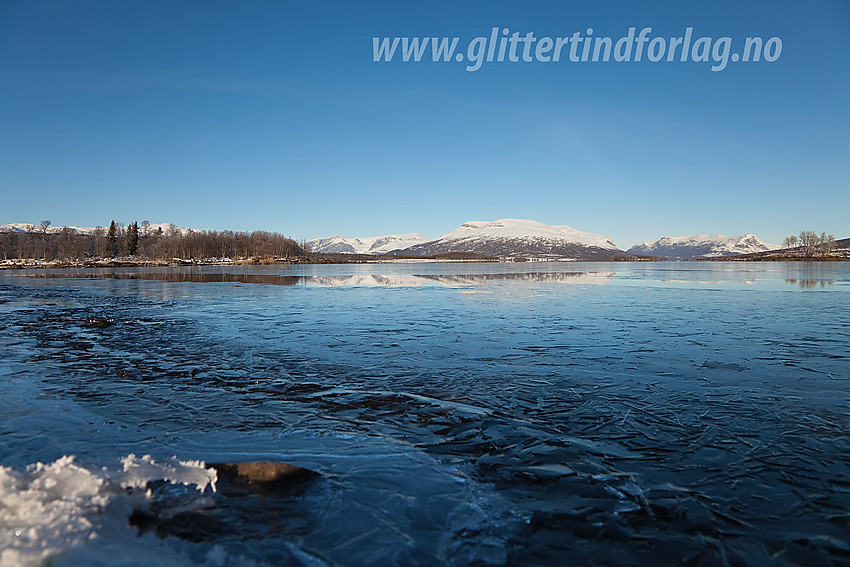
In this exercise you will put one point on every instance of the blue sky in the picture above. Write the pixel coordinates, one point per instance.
(274, 116)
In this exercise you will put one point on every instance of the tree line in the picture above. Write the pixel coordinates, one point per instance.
(140, 241)
(810, 244)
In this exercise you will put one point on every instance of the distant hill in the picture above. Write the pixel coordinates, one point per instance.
(371, 245)
(518, 238)
(701, 246)
(841, 252)
(32, 228)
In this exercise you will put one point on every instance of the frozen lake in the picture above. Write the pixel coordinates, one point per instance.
(465, 414)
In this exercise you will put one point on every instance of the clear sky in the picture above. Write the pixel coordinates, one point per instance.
(274, 116)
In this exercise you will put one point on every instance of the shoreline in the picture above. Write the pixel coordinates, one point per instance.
(13, 265)
(34, 264)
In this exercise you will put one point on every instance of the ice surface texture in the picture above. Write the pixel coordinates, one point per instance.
(492, 414)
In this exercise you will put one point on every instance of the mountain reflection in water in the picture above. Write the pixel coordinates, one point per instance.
(362, 280)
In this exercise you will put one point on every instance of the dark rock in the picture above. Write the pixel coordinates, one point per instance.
(98, 322)
(261, 477)
(260, 494)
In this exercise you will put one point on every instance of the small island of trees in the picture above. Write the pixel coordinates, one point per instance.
(810, 244)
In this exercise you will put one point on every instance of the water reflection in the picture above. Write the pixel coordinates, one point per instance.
(730, 275)
(355, 280)
(809, 275)
(809, 284)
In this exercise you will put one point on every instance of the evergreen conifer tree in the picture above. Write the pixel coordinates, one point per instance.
(133, 238)
(112, 240)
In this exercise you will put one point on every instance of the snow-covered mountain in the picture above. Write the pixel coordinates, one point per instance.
(701, 246)
(28, 227)
(371, 245)
(507, 238)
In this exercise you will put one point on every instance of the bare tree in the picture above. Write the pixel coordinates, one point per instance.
(68, 246)
(158, 245)
(809, 241)
(826, 244)
(43, 226)
(99, 242)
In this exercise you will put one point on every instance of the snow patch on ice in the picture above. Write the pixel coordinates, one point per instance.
(62, 513)
(138, 472)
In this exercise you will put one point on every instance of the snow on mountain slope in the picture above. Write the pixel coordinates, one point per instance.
(518, 237)
(701, 246)
(28, 227)
(526, 229)
(371, 245)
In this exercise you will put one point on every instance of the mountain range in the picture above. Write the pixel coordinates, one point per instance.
(506, 238)
(514, 238)
(503, 238)
(372, 245)
(701, 246)
(28, 227)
